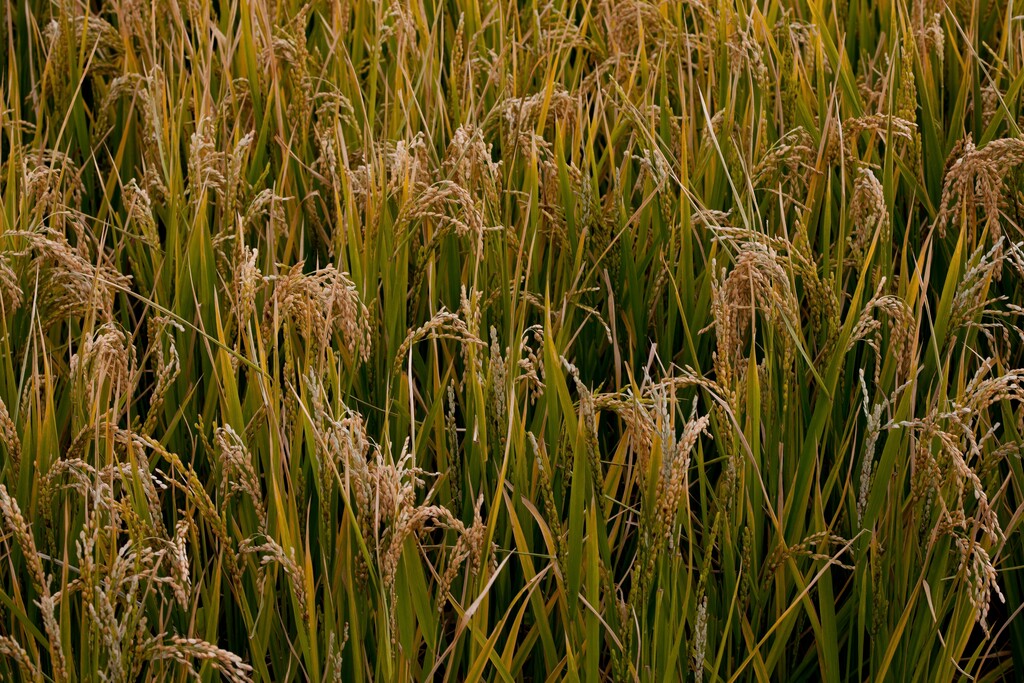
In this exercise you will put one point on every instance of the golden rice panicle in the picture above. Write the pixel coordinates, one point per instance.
(745, 51)
(443, 325)
(168, 366)
(235, 184)
(791, 161)
(757, 281)
(675, 462)
(150, 94)
(9, 438)
(902, 330)
(469, 546)
(878, 127)
(408, 166)
(320, 303)
(343, 448)
(206, 163)
(700, 640)
(553, 519)
(239, 470)
(140, 211)
(497, 374)
(587, 412)
(452, 207)
(50, 182)
(976, 177)
(971, 298)
(11, 296)
(399, 517)
(869, 214)
(334, 654)
(265, 204)
(15, 522)
(469, 161)
(22, 534)
(271, 552)
(928, 31)
(532, 364)
(106, 355)
(981, 575)
(71, 32)
(247, 283)
(14, 652)
(184, 650)
(180, 567)
(873, 430)
(71, 283)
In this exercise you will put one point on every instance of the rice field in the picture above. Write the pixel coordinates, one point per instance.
(447, 340)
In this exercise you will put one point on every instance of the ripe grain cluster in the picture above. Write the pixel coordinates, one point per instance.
(519, 340)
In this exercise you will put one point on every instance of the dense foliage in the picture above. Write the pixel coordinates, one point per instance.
(627, 340)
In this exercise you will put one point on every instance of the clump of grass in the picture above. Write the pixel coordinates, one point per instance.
(519, 341)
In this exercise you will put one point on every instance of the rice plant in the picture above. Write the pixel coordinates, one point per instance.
(627, 340)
